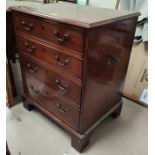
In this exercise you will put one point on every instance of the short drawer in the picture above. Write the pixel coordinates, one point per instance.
(61, 85)
(47, 99)
(55, 33)
(51, 56)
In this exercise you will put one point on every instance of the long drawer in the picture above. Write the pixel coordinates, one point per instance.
(54, 32)
(61, 85)
(45, 97)
(50, 56)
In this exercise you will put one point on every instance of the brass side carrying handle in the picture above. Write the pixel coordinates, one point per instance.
(59, 85)
(33, 70)
(57, 58)
(35, 90)
(61, 108)
(63, 39)
(27, 26)
(30, 49)
(112, 61)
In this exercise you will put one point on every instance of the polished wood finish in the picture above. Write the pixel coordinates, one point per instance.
(59, 84)
(47, 98)
(106, 66)
(54, 32)
(79, 143)
(50, 56)
(80, 94)
(10, 3)
(77, 15)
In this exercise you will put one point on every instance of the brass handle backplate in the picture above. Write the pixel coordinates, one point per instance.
(32, 70)
(61, 108)
(30, 49)
(27, 26)
(57, 58)
(60, 86)
(62, 39)
(34, 90)
(112, 61)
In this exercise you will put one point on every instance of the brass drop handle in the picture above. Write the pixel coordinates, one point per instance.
(112, 61)
(33, 70)
(35, 90)
(57, 58)
(27, 26)
(63, 39)
(32, 49)
(59, 85)
(61, 108)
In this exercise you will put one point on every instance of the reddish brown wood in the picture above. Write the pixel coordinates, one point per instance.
(64, 88)
(79, 143)
(100, 53)
(107, 60)
(47, 44)
(28, 101)
(50, 56)
(44, 96)
(77, 15)
(45, 29)
(74, 79)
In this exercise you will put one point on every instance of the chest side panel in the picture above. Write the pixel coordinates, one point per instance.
(107, 59)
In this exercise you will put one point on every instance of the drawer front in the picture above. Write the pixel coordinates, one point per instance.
(55, 33)
(61, 85)
(53, 57)
(47, 99)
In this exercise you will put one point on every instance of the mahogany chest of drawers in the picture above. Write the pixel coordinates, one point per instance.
(73, 62)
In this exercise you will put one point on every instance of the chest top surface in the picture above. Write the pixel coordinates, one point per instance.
(10, 3)
(74, 14)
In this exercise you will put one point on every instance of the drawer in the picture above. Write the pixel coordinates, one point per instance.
(53, 57)
(59, 84)
(47, 99)
(55, 33)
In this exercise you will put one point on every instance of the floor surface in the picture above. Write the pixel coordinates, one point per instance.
(32, 133)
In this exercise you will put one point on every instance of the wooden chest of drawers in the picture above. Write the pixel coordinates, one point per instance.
(73, 61)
